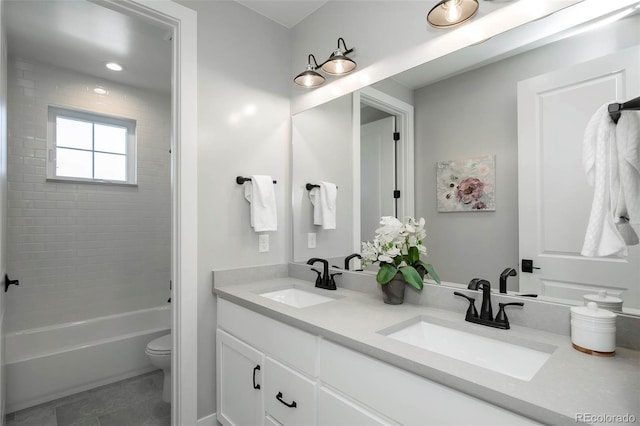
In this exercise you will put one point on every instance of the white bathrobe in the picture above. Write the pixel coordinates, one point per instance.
(605, 148)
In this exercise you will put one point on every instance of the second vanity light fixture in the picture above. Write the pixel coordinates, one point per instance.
(337, 64)
(449, 13)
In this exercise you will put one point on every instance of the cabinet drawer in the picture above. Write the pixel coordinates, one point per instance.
(335, 410)
(391, 391)
(289, 396)
(288, 344)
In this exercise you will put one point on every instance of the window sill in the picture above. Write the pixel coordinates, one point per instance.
(91, 182)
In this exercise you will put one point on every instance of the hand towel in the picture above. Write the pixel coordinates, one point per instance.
(600, 163)
(314, 196)
(324, 199)
(328, 197)
(262, 199)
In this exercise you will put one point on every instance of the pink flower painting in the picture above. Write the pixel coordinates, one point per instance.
(466, 185)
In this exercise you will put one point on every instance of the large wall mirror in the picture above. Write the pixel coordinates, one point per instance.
(483, 108)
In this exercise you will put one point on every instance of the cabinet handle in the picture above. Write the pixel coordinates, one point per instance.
(256, 368)
(279, 398)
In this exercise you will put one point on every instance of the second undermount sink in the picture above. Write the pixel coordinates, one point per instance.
(296, 297)
(513, 360)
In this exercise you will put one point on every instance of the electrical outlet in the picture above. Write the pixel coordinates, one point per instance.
(263, 243)
(311, 240)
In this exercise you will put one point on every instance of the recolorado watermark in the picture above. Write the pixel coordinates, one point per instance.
(605, 418)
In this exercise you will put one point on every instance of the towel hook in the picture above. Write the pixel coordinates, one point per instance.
(240, 180)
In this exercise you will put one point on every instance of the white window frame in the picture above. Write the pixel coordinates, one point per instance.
(76, 114)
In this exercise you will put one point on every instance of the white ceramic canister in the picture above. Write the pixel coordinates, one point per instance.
(604, 301)
(593, 330)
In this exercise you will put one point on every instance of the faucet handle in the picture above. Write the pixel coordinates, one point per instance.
(471, 310)
(319, 277)
(501, 317)
(332, 281)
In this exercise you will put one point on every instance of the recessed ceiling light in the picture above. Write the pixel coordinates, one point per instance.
(100, 90)
(113, 66)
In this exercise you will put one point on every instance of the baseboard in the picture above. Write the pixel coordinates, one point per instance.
(209, 420)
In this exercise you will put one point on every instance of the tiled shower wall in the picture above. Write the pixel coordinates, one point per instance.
(83, 250)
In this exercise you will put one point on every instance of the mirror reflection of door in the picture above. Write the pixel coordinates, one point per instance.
(377, 169)
(553, 111)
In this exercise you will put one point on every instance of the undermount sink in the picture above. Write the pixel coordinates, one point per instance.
(510, 359)
(296, 297)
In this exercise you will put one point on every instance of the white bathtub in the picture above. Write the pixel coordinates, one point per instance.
(51, 362)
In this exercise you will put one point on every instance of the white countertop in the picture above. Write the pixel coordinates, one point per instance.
(570, 382)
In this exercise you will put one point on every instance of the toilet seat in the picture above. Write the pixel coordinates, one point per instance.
(160, 346)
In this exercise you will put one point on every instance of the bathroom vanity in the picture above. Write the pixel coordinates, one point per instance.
(285, 356)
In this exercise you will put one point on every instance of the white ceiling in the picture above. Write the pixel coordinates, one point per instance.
(287, 13)
(83, 36)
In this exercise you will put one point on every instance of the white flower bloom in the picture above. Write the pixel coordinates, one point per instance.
(394, 239)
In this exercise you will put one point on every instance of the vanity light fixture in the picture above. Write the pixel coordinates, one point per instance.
(338, 63)
(449, 13)
(309, 78)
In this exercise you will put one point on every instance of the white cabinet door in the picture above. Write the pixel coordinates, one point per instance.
(239, 385)
(335, 410)
(554, 197)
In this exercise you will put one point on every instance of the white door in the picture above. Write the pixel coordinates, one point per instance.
(377, 174)
(240, 373)
(554, 198)
(3, 201)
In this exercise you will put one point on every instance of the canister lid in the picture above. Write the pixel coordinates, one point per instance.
(602, 296)
(592, 311)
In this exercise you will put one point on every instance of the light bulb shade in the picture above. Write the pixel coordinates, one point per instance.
(338, 64)
(449, 13)
(309, 78)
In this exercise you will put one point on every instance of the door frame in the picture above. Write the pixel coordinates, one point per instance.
(404, 124)
(184, 202)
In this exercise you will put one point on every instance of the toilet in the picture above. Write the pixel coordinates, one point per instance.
(159, 352)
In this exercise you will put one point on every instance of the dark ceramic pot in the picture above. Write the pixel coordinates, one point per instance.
(393, 291)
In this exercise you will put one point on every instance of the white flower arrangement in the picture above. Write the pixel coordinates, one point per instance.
(397, 247)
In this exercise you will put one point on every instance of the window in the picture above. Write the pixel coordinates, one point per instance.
(89, 147)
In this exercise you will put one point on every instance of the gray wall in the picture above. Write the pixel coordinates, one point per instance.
(243, 129)
(323, 151)
(475, 113)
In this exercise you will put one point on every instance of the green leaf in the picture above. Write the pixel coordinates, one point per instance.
(429, 269)
(412, 277)
(414, 255)
(432, 272)
(386, 273)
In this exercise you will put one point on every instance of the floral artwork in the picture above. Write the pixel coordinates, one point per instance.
(466, 185)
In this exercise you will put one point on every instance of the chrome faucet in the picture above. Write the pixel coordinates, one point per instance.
(348, 259)
(509, 272)
(324, 279)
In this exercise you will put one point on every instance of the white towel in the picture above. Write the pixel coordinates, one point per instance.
(628, 146)
(324, 204)
(600, 162)
(314, 196)
(611, 159)
(262, 197)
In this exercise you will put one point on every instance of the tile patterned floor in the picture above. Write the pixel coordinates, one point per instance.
(133, 402)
